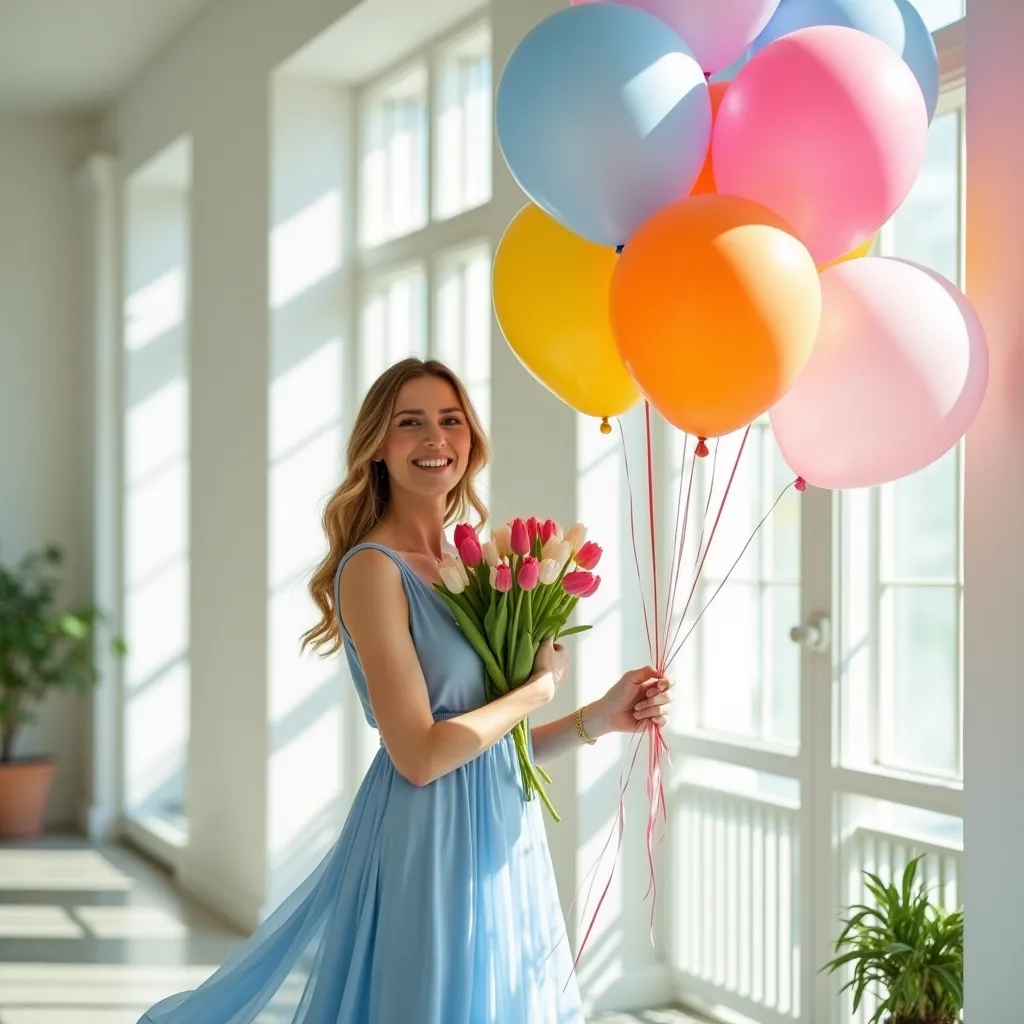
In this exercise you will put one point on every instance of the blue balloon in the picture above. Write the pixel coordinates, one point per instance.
(603, 116)
(896, 23)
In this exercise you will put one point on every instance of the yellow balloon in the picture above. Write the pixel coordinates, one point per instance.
(854, 254)
(551, 300)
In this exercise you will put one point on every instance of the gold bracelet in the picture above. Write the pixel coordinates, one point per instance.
(578, 719)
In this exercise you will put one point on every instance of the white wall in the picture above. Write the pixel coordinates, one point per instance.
(44, 450)
(994, 526)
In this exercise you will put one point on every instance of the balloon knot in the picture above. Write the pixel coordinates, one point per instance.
(801, 484)
(618, 249)
(606, 427)
(702, 449)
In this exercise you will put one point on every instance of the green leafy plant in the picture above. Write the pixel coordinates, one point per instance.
(42, 648)
(907, 950)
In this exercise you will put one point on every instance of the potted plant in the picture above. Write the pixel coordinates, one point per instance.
(906, 950)
(42, 648)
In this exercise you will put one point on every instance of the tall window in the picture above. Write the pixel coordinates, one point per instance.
(393, 199)
(427, 291)
(463, 124)
(156, 542)
(423, 266)
(393, 321)
(903, 577)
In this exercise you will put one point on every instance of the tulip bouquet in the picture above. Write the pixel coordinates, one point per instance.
(508, 596)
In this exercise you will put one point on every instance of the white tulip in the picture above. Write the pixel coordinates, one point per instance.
(502, 538)
(492, 556)
(455, 564)
(451, 579)
(576, 537)
(556, 551)
(549, 570)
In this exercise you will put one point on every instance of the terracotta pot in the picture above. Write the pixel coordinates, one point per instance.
(24, 795)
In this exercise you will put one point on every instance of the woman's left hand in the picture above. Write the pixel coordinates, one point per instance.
(638, 697)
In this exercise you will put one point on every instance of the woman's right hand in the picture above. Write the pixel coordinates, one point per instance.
(552, 661)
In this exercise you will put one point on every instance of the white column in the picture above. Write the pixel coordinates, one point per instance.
(97, 185)
(226, 861)
(994, 535)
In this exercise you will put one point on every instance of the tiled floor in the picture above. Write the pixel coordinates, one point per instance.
(95, 938)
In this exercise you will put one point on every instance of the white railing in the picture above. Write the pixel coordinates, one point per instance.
(886, 855)
(735, 866)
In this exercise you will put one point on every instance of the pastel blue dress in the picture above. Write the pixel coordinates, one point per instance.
(437, 904)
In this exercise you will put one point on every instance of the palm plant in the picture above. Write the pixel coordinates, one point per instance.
(905, 949)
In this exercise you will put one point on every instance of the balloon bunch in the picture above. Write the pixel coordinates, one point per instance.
(742, 212)
(703, 243)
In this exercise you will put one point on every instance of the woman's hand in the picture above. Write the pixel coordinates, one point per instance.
(638, 697)
(552, 663)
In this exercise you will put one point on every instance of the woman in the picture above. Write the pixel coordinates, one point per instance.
(437, 905)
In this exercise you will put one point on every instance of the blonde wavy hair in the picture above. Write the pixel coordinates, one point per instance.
(359, 504)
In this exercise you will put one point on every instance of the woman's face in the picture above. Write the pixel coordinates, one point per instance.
(428, 441)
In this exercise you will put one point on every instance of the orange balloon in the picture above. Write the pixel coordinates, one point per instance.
(715, 305)
(705, 184)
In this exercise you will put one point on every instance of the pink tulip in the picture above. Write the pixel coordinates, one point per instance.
(529, 574)
(548, 529)
(578, 584)
(462, 531)
(593, 587)
(533, 528)
(520, 537)
(501, 578)
(470, 550)
(587, 557)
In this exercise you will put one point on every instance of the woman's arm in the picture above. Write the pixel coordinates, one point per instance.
(376, 613)
(639, 695)
(561, 736)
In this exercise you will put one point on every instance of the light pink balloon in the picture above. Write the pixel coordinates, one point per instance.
(896, 377)
(717, 31)
(828, 128)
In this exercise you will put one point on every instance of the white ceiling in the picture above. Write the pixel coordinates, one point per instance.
(373, 35)
(74, 55)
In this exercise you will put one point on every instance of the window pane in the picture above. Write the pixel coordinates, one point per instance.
(464, 125)
(393, 196)
(730, 666)
(920, 676)
(393, 324)
(746, 667)
(926, 228)
(920, 522)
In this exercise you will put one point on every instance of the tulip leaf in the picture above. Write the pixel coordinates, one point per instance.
(571, 630)
(526, 651)
(474, 635)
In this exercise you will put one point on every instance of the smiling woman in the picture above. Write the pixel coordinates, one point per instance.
(438, 902)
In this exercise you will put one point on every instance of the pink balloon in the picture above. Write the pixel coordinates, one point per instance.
(717, 31)
(895, 379)
(828, 128)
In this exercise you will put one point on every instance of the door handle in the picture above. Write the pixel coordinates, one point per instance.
(815, 634)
